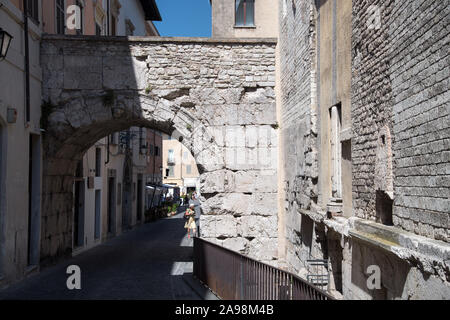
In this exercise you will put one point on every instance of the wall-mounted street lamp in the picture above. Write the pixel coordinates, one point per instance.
(5, 41)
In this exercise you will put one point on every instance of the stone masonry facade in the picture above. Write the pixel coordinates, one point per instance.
(399, 136)
(217, 97)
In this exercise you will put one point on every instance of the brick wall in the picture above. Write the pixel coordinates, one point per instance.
(400, 80)
(419, 73)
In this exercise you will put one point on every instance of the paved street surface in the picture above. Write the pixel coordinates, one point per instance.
(145, 263)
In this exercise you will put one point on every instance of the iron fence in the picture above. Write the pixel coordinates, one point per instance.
(233, 276)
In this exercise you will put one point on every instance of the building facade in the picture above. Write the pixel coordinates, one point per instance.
(244, 18)
(20, 142)
(179, 166)
(365, 132)
(98, 191)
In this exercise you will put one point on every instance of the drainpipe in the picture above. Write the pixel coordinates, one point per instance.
(27, 62)
(107, 17)
(154, 166)
(107, 150)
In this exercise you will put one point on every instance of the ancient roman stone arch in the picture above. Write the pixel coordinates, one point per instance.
(217, 97)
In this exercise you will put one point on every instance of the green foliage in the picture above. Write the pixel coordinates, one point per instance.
(147, 90)
(189, 127)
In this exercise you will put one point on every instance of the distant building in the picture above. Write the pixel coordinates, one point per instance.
(244, 18)
(179, 166)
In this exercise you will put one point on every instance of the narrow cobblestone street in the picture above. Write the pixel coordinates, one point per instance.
(145, 263)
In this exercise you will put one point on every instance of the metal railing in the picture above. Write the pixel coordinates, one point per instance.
(233, 276)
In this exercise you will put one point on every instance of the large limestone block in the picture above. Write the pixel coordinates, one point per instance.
(226, 227)
(258, 226)
(263, 204)
(124, 72)
(82, 72)
(236, 244)
(264, 249)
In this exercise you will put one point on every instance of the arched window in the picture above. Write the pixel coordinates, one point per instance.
(245, 13)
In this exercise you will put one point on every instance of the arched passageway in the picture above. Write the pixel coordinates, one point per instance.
(217, 98)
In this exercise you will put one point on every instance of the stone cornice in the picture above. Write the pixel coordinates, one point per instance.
(267, 41)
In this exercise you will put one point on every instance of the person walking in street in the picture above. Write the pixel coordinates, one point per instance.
(190, 223)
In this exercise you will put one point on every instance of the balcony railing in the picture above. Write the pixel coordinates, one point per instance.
(233, 276)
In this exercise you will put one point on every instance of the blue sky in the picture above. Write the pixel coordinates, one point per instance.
(184, 18)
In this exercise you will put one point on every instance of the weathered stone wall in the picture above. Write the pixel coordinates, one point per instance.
(399, 146)
(371, 99)
(217, 97)
(298, 124)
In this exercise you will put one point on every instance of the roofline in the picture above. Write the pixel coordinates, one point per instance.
(151, 10)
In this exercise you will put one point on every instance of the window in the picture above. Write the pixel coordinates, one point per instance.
(171, 171)
(188, 169)
(336, 151)
(60, 17)
(33, 10)
(80, 4)
(185, 155)
(113, 138)
(98, 162)
(156, 151)
(245, 13)
(171, 156)
(141, 143)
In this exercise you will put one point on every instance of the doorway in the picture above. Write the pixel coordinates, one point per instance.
(78, 215)
(98, 200)
(34, 199)
(139, 199)
(111, 205)
(127, 196)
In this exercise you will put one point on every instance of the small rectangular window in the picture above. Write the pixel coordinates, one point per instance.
(245, 13)
(171, 171)
(188, 169)
(33, 10)
(156, 151)
(171, 156)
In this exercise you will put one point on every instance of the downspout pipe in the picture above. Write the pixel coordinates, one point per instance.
(27, 62)
(107, 149)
